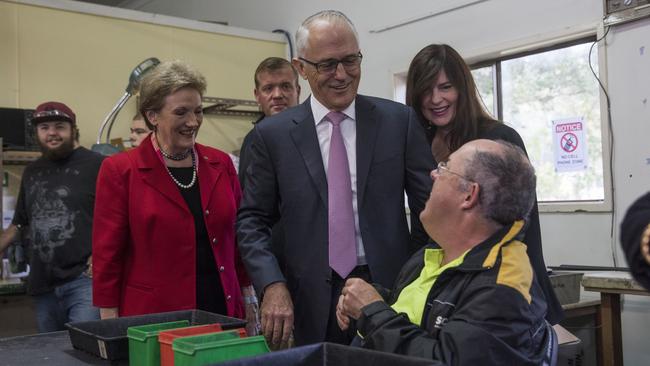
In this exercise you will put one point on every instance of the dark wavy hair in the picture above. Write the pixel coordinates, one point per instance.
(470, 117)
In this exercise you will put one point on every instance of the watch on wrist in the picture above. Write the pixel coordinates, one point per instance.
(250, 300)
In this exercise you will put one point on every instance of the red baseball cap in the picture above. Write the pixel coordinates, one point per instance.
(53, 111)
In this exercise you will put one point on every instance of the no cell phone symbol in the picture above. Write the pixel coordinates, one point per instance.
(569, 142)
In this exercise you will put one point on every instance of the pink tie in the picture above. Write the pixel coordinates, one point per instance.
(342, 240)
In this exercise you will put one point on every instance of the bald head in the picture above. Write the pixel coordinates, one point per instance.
(485, 146)
(506, 177)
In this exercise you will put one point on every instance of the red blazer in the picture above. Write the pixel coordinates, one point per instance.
(144, 249)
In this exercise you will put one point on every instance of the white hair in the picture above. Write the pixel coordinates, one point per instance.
(329, 16)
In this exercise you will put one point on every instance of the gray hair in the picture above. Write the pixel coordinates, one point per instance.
(507, 181)
(329, 16)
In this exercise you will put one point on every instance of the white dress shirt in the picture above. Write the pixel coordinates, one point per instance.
(349, 132)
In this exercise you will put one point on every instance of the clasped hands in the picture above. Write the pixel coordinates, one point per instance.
(356, 294)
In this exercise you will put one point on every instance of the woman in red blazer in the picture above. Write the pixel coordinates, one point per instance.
(163, 229)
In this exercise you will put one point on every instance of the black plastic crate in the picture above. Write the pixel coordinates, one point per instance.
(107, 338)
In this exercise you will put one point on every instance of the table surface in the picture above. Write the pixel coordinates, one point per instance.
(615, 280)
(45, 349)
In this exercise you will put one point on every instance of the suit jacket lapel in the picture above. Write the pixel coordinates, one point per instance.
(367, 128)
(210, 171)
(154, 173)
(306, 139)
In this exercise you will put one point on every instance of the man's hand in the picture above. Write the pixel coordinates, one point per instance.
(89, 267)
(277, 315)
(7, 237)
(356, 294)
(108, 313)
(342, 319)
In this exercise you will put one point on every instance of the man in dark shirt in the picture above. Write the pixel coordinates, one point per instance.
(55, 207)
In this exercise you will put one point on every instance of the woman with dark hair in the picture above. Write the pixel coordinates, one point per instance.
(441, 89)
(164, 222)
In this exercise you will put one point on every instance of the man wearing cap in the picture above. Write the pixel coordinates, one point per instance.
(55, 209)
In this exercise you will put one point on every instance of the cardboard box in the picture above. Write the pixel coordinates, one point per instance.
(570, 350)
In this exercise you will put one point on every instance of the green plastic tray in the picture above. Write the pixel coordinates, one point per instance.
(144, 349)
(213, 348)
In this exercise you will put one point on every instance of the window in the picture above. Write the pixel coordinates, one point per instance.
(529, 92)
(484, 79)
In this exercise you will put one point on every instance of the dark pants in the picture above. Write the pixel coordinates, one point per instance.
(334, 333)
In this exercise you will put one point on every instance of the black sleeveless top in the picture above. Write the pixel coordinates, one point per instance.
(209, 292)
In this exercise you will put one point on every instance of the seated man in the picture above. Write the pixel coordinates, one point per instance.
(475, 301)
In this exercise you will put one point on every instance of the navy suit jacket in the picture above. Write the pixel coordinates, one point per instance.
(286, 182)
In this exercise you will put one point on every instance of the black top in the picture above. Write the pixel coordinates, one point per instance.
(209, 292)
(533, 235)
(634, 224)
(55, 204)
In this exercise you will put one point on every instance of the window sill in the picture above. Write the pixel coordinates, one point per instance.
(575, 206)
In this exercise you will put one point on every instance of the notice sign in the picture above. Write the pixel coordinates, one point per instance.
(570, 145)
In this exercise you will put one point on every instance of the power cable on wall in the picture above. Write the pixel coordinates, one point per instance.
(611, 148)
(288, 36)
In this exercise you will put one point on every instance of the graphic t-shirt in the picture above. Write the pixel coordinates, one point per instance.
(55, 207)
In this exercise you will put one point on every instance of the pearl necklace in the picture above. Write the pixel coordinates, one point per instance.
(190, 184)
(175, 157)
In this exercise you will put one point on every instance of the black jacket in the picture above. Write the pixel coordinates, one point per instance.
(244, 154)
(635, 222)
(487, 311)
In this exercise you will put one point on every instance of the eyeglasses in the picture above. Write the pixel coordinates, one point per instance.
(350, 63)
(442, 166)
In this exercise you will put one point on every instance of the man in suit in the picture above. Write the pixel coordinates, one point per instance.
(333, 171)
